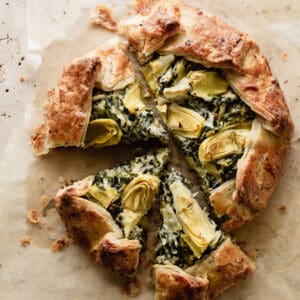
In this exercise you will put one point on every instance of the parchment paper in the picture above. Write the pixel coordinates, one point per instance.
(58, 31)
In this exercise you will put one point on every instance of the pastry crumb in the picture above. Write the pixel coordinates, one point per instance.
(282, 209)
(102, 15)
(33, 216)
(59, 244)
(44, 201)
(22, 79)
(25, 241)
(285, 56)
(132, 287)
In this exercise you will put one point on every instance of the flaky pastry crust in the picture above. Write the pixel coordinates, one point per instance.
(95, 230)
(173, 283)
(102, 15)
(213, 43)
(224, 267)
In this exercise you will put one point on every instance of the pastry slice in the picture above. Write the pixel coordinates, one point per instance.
(105, 213)
(216, 92)
(97, 102)
(194, 260)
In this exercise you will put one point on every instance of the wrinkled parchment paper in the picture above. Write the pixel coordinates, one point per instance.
(58, 31)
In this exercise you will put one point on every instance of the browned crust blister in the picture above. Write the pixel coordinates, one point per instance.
(69, 107)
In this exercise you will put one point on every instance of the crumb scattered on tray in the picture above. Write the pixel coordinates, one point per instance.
(59, 244)
(22, 79)
(285, 56)
(44, 201)
(132, 287)
(282, 209)
(25, 241)
(102, 15)
(34, 216)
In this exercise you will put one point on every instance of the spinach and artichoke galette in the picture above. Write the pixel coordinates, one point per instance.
(215, 94)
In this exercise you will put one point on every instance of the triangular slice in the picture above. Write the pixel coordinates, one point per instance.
(97, 102)
(193, 259)
(104, 213)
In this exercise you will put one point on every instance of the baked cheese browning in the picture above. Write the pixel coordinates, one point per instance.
(128, 110)
(68, 110)
(186, 232)
(104, 212)
(171, 282)
(209, 121)
(224, 267)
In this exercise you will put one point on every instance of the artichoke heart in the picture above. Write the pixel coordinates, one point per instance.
(179, 91)
(137, 198)
(199, 231)
(102, 132)
(206, 84)
(222, 144)
(184, 122)
(156, 69)
(133, 99)
(105, 196)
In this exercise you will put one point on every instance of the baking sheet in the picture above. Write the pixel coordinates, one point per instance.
(58, 32)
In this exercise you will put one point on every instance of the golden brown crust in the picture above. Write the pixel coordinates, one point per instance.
(224, 267)
(148, 32)
(119, 255)
(102, 15)
(93, 228)
(173, 283)
(68, 111)
(143, 7)
(258, 173)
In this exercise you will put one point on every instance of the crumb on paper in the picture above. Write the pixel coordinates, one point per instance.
(286, 81)
(33, 216)
(22, 79)
(63, 182)
(102, 15)
(282, 209)
(25, 241)
(60, 243)
(285, 56)
(132, 287)
(252, 254)
(44, 201)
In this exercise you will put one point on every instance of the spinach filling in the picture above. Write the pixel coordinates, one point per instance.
(116, 180)
(138, 126)
(172, 247)
(178, 85)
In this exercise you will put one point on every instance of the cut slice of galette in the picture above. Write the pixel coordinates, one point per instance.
(194, 260)
(217, 94)
(105, 213)
(97, 102)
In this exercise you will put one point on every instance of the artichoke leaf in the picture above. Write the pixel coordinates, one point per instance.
(133, 100)
(130, 220)
(102, 132)
(207, 84)
(184, 122)
(155, 69)
(179, 91)
(200, 231)
(105, 196)
(170, 219)
(137, 198)
(222, 144)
